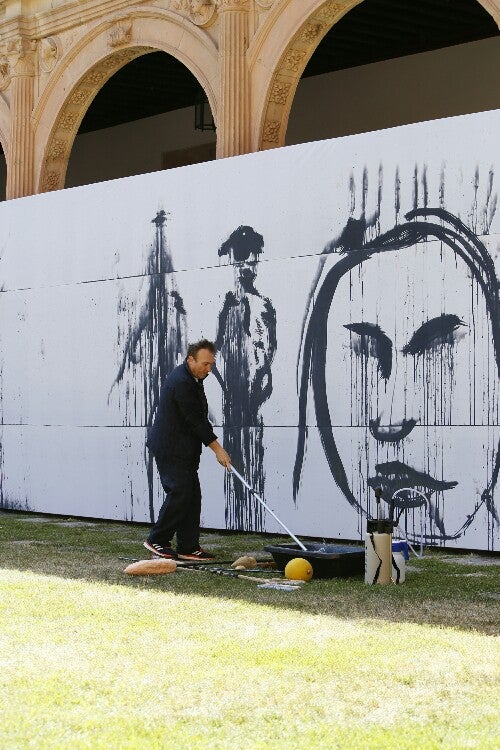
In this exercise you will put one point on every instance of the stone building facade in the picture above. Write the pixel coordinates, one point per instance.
(55, 56)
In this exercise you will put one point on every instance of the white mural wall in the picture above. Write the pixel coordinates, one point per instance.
(351, 288)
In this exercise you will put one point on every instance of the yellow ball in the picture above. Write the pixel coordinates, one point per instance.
(298, 569)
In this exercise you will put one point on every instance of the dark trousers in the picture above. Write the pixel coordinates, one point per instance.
(181, 509)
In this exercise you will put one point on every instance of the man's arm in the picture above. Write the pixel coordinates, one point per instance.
(221, 454)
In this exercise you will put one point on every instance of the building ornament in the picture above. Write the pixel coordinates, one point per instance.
(57, 150)
(223, 5)
(121, 33)
(310, 32)
(204, 12)
(331, 10)
(68, 120)
(21, 55)
(4, 70)
(50, 181)
(280, 91)
(294, 60)
(49, 54)
(272, 131)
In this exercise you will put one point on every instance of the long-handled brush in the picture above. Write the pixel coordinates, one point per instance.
(264, 505)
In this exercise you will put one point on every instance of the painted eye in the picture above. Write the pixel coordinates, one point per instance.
(434, 333)
(371, 341)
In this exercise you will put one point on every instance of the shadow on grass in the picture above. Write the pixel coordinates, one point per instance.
(436, 592)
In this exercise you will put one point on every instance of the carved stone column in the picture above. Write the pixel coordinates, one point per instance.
(233, 125)
(20, 167)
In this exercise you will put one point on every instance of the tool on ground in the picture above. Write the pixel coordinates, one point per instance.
(159, 566)
(241, 576)
(183, 563)
(264, 505)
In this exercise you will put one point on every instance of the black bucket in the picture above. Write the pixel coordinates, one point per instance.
(327, 560)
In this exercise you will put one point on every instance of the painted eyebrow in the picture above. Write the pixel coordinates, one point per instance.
(433, 332)
(381, 344)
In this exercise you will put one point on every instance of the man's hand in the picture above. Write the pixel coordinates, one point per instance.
(221, 455)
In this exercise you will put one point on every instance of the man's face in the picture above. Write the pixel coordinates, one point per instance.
(201, 365)
(411, 372)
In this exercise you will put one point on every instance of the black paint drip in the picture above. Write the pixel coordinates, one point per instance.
(156, 343)
(246, 341)
(422, 225)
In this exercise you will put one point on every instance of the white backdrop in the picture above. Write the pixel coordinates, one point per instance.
(402, 345)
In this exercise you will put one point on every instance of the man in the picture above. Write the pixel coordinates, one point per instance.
(180, 429)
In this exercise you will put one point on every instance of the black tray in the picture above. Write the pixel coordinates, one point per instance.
(327, 560)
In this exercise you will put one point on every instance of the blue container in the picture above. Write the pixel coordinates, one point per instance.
(401, 546)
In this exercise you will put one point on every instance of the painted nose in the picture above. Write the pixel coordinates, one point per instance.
(392, 422)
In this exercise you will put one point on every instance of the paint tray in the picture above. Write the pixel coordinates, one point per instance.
(327, 560)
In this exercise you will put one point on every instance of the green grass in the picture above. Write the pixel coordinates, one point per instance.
(92, 658)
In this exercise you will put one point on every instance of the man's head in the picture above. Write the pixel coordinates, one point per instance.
(200, 358)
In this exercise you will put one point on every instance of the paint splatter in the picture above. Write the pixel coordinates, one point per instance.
(246, 342)
(155, 343)
(431, 346)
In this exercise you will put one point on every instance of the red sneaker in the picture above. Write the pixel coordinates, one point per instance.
(161, 551)
(199, 554)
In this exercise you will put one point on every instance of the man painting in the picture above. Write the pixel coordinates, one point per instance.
(180, 429)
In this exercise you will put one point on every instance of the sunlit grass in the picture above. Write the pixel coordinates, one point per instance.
(91, 658)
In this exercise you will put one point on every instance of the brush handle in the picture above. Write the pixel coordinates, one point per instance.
(264, 505)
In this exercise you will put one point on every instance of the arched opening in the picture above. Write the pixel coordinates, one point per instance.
(142, 120)
(387, 64)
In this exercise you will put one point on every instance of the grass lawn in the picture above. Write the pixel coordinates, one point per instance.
(92, 658)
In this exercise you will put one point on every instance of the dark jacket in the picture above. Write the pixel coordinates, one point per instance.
(181, 424)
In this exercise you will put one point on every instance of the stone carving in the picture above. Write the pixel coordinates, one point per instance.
(279, 92)
(329, 11)
(51, 181)
(310, 32)
(117, 59)
(231, 4)
(121, 33)
(199, 12)
(21, 55)
(80, 96)
(94, 78)
(49, 54)
(293, 60)
(271, 131)
(68, 120)
(57, 150)
(265, 4)
(4, 71)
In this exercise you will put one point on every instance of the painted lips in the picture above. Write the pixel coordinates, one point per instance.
(394, 475)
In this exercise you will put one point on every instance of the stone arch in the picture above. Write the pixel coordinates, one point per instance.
(99, 55)
(281, 52)
(279, 57)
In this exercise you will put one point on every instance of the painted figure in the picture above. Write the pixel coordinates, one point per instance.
(180, 428)
(405, 366)
(157, 341)
(246, 340)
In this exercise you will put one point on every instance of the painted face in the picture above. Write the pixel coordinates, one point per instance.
(201, 365)
(411, 371)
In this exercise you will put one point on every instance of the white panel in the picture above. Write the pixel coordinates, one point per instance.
(372, 330)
